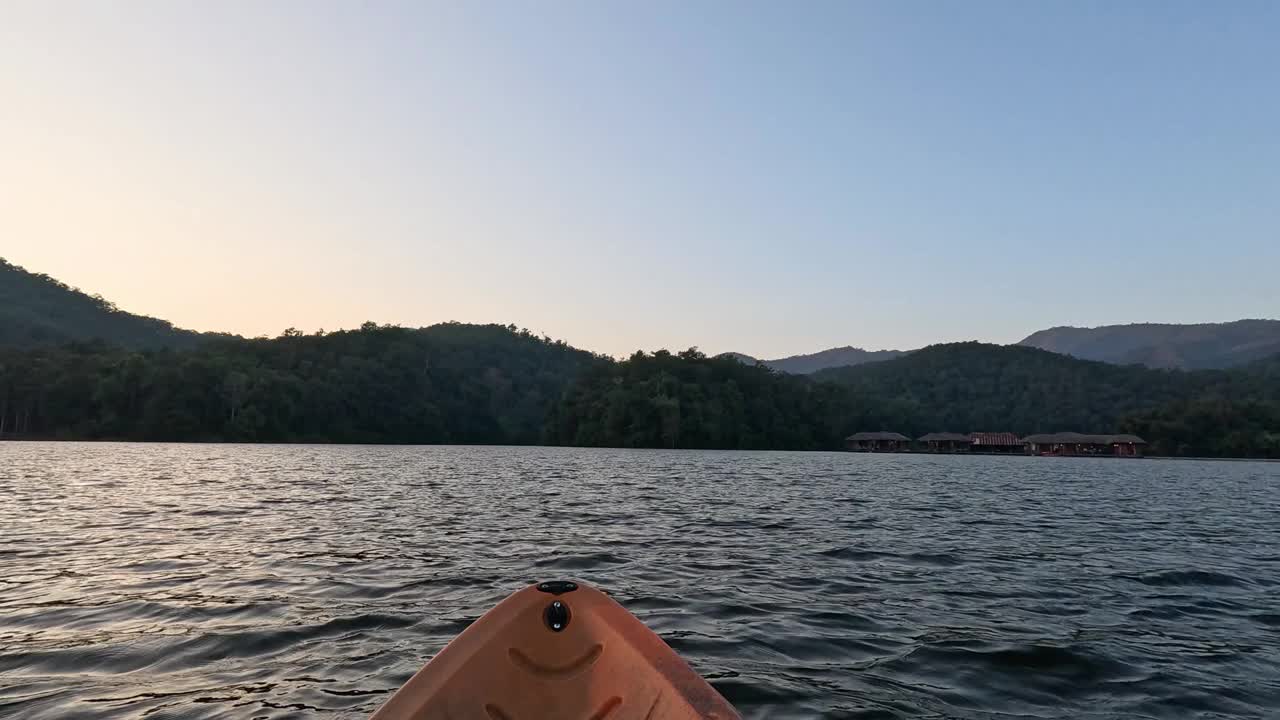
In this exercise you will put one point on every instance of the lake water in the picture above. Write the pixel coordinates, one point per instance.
(231, 581)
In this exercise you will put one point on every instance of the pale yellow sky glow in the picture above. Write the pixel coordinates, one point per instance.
(222, 193)
(632, 176)
(174, 194)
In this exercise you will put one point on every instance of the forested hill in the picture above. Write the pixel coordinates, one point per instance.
(976, 386)
(448, 383)
(688, 400)
(980, 387)
(1235, 414)
(456, 383)
(37, 310)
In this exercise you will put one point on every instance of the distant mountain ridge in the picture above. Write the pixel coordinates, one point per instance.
(1202, 346)
(821, 360)
(39, 311)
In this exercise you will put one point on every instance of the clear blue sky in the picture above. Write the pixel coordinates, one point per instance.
(772, 178)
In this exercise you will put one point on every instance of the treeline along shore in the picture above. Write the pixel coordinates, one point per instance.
(494, 384)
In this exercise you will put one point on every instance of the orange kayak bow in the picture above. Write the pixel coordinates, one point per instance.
(558, 650)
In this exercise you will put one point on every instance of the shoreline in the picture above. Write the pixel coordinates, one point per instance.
(28, 439)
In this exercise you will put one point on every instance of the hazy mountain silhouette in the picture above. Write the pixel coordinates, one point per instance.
(1204, 346)
(1189, 347)
(39, 311)
(821, 360)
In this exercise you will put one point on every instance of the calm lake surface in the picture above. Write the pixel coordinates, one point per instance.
(232, 581)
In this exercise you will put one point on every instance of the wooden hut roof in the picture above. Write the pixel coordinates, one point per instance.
(996, 438)
(879, 436)
(944, 437)
(1072, 438)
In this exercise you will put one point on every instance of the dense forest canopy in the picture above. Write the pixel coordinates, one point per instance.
(975, 386)
(448, 383)
(39, 311)
(75, 366)
(688, 400)
(457, 383)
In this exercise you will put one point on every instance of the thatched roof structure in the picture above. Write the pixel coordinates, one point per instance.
(867, 436)
(944, 437)
(1074, 438)
(998, 439)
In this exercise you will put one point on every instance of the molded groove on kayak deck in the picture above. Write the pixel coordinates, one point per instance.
(653, 707)
(533, 667)
(496, 712)
(607, 708)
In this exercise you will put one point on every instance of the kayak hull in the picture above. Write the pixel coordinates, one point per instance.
(556, 650)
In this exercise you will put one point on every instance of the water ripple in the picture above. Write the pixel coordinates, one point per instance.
(202, 581)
